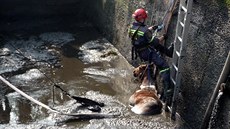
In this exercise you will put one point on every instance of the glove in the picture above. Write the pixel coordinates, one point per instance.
(160, 27)
(165, 36)
(155, 27)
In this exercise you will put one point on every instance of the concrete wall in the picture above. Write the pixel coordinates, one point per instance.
(114, 17)
(207, 48)
(208, 42)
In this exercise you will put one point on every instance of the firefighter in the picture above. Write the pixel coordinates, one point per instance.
(147, 48)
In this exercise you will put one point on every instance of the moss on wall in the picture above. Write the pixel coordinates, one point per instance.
(228, 3)
(224, 3)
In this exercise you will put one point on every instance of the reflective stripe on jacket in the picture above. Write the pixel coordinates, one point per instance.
(141, 38)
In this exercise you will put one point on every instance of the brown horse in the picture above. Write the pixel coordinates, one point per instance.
(145, 101)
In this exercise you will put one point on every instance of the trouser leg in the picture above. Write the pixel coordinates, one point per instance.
(167, 89)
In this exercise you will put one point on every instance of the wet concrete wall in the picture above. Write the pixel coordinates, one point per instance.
(114, 17)
(207, 48)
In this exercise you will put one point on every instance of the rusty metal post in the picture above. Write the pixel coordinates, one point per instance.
(224, 74)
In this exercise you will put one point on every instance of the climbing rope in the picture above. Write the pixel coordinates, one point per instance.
(168, 14)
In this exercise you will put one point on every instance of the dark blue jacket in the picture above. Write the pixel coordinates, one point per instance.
(147, 45)
(143, 35)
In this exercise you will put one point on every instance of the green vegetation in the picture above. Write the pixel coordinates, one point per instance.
(225, 3)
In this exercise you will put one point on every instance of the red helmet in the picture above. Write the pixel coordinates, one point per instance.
(139, 14)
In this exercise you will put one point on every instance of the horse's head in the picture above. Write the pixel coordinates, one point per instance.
(140, 70)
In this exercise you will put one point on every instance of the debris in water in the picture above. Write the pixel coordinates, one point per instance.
(109, 53)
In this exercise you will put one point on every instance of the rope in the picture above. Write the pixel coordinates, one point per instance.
(80, 116)
(165, 22)
(32, 61)
(168, 14)
(142, 75)
(84, 101)
(27, 96)
(54, 84)
(152, 22)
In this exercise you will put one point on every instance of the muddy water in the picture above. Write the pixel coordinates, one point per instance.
(84, 64)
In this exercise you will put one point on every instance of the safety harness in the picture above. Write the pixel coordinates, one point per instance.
(137, 49)
(136, 34)
(134, 51)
